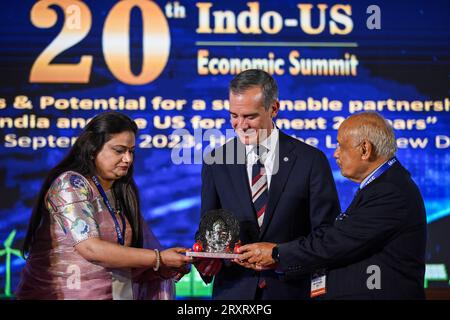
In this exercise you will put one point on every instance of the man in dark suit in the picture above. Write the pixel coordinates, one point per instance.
(376, 249)
(278, 187)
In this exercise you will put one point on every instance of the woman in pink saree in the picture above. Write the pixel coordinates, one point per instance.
(87, 238)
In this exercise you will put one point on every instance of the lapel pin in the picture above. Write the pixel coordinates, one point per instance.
(285, 159)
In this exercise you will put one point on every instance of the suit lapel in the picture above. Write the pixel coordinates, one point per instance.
(354, 202)
(359, 192)
(285, 162)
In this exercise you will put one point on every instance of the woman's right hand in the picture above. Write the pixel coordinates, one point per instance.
(173, 257)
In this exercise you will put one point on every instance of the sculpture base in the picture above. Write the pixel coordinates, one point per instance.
(213, 255)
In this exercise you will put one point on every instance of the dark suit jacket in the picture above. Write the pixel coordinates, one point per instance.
(385, 227)
(302, 197)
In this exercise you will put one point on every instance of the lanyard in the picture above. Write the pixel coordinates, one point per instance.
(380, 171)
(120, 234)
(372, 177)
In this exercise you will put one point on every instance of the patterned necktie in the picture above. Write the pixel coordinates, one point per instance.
(259, 187)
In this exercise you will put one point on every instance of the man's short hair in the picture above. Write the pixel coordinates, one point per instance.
(373, 127)
(256, 78)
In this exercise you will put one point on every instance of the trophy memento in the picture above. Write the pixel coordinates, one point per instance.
(217, 236)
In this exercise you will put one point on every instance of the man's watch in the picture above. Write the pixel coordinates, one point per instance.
(275, 254)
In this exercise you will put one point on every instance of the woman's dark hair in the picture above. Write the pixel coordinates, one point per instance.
(81, 159)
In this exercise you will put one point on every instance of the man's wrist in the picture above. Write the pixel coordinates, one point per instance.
(275, 254)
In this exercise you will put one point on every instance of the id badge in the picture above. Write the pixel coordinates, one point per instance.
(318, 284)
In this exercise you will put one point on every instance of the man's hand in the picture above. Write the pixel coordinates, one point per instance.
(208, 267)
(257, 256)
(254, 266)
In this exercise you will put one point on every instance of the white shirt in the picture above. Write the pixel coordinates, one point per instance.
(270, 143)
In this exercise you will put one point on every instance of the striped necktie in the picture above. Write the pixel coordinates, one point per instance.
(259, 187)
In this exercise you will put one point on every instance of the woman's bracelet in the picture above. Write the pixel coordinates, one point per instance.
(158, 260)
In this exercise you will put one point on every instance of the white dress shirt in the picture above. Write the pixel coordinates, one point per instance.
(270, 143)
